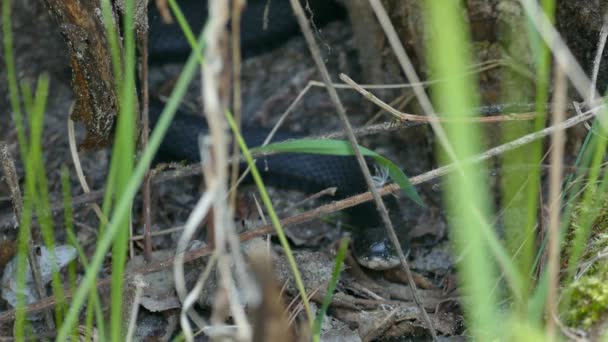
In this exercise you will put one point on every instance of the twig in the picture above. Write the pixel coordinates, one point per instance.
(425, 103)
(10, 176)
(159, 233)
(384, 324)
(422, 118)
(430, 175)
(601, 44)
(558, 139)
(225, 233)
(316, 54)
(325, 192)
(145, 122)
(562, 54)
(139, 283)
(80, 174)
(237, 8)
(164, 11)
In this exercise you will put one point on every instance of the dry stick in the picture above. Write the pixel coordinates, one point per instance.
(410, 72)
(473, 69)
(562, 54)
(555, 175)
(237, 8)
(325, 192)
(159, 233)
(11, 178)
(10, 174)
(165, 12)
(427, 176)
(224, 233)
(425, 103)
(326, 209)
(200, 210)
(79, 173)
(140, 284)
(423, 118)
(601, 44)
(316, 54)
(146, 190)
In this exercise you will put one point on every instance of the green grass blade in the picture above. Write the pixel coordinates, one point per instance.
(331, 287)
(94, 302)
(125, 141)
(343, 148)
(13, 87)
(122, 208)
(183, 24)
(467, 194)
(43, 207)
(276, 223)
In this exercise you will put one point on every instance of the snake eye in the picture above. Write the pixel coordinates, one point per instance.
(379, 248)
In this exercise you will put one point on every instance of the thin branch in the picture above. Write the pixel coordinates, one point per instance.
(11, 179)
(316, 55)
(558, 139)
(146, 189)
(428, 119)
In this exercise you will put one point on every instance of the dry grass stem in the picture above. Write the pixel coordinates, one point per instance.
(410, 73)
(601, 44)
(10, 174)
(225, 234)
(558, 139)
(142, 38)
(428, 119)
(237, 8)
(562, 54)
(140, 284)
(12, 180)
(82, 180)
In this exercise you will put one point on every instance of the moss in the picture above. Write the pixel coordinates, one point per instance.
(586, 298)
(589, 294)
(589, 300)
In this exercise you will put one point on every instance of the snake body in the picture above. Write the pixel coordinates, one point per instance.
(308, 173)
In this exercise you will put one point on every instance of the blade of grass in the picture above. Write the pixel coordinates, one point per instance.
(273, 215)
(125, 141)
(43, 199)
(183, 24)
(113, 42)
(589, 199)
(467, 191)
(331, 287)
(30, 193)
(186, 29)
(122, 209)
(343, 148)
(13, 87)
(94, 302)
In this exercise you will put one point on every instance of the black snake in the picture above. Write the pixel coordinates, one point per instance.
(305, 172)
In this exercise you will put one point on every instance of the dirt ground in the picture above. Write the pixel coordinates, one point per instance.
(368, 304)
